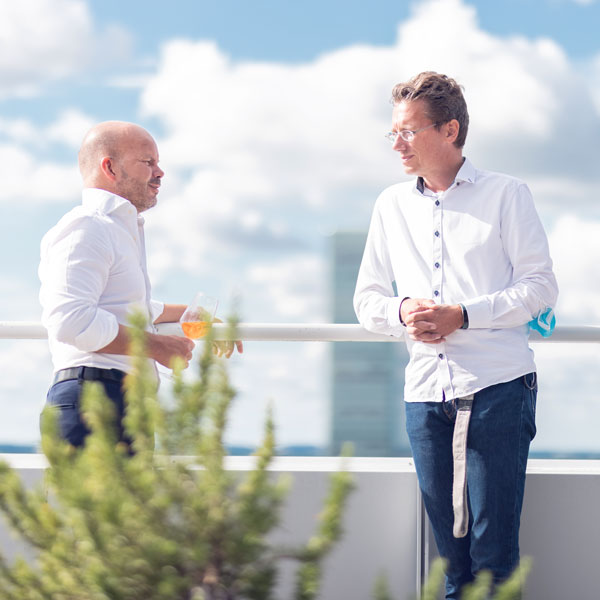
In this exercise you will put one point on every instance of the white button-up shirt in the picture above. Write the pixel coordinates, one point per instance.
(93, 274)
(479, 243)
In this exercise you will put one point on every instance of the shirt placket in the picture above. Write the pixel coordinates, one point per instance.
(142, 244)
(437, 291)
(143, 265)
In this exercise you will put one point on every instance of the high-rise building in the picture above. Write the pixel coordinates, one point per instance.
(367, 378)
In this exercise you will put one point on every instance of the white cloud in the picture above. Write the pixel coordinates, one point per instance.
(33, 181)
(25, 380)
(575, 246)
(297, 149)
(29, 178)
(46, 40)
(69, 128)
(510, 83)
(292, 287)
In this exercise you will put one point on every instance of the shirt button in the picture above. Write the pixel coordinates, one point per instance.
(437, 202)
(436, 293)
(437, 234)
(437, 265)
(440, 356)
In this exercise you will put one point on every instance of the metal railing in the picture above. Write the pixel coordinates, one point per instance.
(304, 332)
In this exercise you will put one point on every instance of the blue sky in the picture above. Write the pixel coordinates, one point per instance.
(270, 118)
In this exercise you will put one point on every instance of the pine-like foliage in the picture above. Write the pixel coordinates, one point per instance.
(481, 589)
(111, 524)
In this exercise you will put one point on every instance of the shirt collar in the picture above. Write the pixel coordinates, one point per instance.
(106, 202)
(466, 173)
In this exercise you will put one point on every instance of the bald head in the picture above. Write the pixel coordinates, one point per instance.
(105, 140)
(121, 158)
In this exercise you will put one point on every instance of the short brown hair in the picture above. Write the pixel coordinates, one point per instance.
(443, 97)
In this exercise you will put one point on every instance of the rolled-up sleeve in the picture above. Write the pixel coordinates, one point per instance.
(534, 285)
(156, 309)
(73, 273)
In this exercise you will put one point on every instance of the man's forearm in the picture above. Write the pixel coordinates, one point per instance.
(120, 344)
(171, 313)
(161, 348)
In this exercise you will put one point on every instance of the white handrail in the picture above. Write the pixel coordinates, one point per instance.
(302, 332)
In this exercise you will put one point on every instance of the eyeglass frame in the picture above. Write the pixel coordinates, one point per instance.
(392, 136)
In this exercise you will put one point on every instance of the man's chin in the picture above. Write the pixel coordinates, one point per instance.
(151, 203)
(145, 204)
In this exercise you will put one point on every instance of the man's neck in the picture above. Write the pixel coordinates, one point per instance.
(440, 182)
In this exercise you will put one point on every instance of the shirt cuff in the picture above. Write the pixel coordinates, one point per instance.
(101, 332)
(480, 313)
(156, 308)
(393, 312)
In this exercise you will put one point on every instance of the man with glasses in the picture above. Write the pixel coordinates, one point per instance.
(470, 261)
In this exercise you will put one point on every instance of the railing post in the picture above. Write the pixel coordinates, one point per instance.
(422, 543)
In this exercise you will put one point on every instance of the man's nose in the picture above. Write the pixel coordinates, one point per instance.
(399, 144)
(158, 172)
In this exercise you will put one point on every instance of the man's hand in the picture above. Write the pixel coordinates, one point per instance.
(226, 347)
(164, 348)
(429, 322)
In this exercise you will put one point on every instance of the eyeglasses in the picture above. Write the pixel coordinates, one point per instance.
(406, 134)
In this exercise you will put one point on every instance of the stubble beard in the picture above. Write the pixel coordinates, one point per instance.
(137, 193)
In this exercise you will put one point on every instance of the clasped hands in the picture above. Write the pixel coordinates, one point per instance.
(429, 322)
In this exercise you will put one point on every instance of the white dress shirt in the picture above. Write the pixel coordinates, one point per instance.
(93, 273)
(479, 243)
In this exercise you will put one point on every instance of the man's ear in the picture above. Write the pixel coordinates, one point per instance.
(106, 166)
(452, 129)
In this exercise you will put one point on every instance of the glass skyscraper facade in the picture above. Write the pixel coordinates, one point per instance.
(367, 378)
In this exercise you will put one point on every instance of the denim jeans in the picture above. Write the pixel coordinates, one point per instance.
(501, 428)
(65, 398)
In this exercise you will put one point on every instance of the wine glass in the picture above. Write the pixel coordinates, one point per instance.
(198, 316)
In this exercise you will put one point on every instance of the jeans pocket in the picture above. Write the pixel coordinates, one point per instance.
(63, 401)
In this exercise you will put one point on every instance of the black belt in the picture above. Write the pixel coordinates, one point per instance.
(88, 374)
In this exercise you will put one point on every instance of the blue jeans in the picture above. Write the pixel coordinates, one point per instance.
(501, 428)
(65, 398)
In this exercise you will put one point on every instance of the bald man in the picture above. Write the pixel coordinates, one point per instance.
(93, 273)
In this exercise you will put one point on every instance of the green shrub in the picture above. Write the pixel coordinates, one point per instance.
(156, 525)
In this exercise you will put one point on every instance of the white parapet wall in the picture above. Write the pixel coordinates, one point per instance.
(384, 525)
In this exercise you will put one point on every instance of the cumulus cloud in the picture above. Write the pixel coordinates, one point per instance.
(293, 287)
(67, 129)
(257, 148)
(23, 390)
(35, 181)
(575, 244)
(47, 40)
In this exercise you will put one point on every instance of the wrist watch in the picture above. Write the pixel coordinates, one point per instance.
(465, 324)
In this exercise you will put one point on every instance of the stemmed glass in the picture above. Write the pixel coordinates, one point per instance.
(195, 321)
(198, 316)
